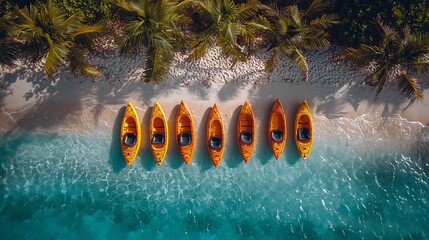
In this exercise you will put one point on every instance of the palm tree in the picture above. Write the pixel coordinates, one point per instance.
(152, 25)
(293, 30)
(225, 24)
(8, 52)
(396, 57)
(48, 33)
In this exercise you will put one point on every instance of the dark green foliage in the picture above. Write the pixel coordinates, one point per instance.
(92, 10)
(357, 18)
(7, 6)
(411, 13)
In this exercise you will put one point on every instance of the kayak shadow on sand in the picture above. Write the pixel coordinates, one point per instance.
(173, 157)
(201, 155)
(291, 152)
(116, 160)
(145, 156)
(263, 151)
(232, 154)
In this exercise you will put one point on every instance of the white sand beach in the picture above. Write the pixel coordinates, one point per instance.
(29, 101)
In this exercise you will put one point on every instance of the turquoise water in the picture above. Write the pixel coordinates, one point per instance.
(365, 178)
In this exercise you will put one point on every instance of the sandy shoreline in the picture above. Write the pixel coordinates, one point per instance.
(31, 102)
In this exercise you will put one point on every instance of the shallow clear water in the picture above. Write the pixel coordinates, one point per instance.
(365, 178)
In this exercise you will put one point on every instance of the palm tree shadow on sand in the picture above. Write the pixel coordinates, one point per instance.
(262, 147)
(116, 159)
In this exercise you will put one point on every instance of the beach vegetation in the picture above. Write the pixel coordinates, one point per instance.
(5, 7)
(397, 57)
(357, 16)
(292, 31)
(154, 27)
(224, 24)
(8, 50)
(92, 10)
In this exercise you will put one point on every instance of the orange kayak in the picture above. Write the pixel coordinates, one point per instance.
(130, 134)
(246, 131)
(277, 132)
(158, 134)
(304, 130)
(185, 132)
(215, 136)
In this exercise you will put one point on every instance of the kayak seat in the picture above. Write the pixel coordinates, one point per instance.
(158, 138)
(215, 142)
(246, 136)
(303, 134)
(185, 138)
(277, 135)
(130, 139)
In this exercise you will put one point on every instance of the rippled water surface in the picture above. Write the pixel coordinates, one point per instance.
(365, 178)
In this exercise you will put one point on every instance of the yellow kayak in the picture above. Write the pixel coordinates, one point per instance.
(185, 132)
(130, 134)
(158, 134)
(246, 131)
(215, 136)
(277, 132)
(304, 130)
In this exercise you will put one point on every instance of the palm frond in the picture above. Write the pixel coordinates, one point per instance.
(134, 37)
(206, 41)
(420, 67)
(272, 61)
(363, 54)
(248, 10)
(61, 22)
(246, 35)
(380, 77)
(89, 30)
(298, 58)
(8, 53)
(163, 45)
(78, 65)
(207, 8)
(55, 57)
(315, 8)
(316, 39)
(85, 35)
(157, 64)
(7, 49)
(325, 21)
(260, 24)
(25, 28)
(124, 5)
(410, 88)
(293, 15)
(385, 30)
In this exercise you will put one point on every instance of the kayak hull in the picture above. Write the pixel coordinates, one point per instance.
(130, 126)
